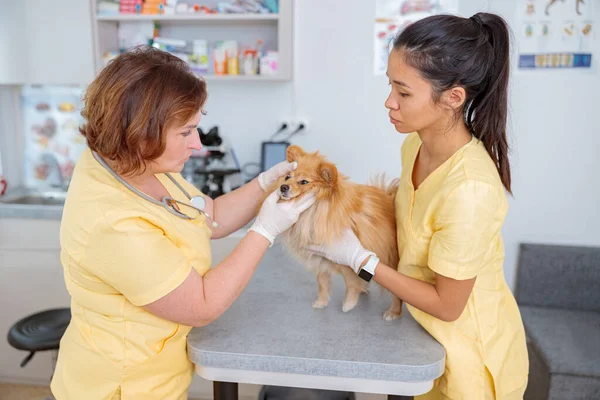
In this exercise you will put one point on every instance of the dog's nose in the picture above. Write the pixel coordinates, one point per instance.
(284, 188)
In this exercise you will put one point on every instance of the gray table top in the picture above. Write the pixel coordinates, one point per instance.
(272, 327)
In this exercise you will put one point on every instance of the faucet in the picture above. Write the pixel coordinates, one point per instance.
(52, 160)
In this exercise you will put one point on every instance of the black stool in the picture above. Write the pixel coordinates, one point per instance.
(41, 331)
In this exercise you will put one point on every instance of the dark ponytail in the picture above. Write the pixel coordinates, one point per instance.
(472, 53)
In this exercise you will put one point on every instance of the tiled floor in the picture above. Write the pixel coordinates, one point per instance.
(10, 391)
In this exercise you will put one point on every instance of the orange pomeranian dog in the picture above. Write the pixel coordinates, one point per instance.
(367, 209)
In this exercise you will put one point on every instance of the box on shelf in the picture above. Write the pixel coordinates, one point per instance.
(198, 60)
(153, 7)
(269, 63)
(130, 6)
(108, 7)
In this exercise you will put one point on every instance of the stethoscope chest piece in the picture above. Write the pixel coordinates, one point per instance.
(198, 202)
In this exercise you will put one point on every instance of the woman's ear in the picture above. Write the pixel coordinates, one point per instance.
(293, 152)
(328, 172)
(454, 98)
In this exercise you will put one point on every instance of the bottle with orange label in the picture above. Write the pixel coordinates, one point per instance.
(250, 62)
(220, 61)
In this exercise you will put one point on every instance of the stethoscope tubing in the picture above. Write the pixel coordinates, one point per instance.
(166, 201)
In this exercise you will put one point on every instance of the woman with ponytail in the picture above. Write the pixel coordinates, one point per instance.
(449, 81)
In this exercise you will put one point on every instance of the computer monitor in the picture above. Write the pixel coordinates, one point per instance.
(273, 153)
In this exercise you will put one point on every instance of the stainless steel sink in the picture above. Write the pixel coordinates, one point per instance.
(36, 198)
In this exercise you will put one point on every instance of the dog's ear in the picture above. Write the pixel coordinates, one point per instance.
(293, 152)
(328, 172)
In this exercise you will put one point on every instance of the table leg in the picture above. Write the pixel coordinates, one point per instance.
(394, 397)
(225, 390)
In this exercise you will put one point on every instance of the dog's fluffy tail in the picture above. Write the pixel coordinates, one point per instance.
(380, 181)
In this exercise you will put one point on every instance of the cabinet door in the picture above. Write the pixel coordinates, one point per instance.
(46, 42)
(13, 64)
(59, 41)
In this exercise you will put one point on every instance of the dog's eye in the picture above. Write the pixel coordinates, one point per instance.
(303, 182)
(287, 177)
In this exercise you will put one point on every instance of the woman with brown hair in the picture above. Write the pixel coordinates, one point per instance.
(135, 236)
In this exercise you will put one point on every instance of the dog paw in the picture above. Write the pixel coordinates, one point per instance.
(351, 300)
(319, 304)
(348, 305)
(391, 315)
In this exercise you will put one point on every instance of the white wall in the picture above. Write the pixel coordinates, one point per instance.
(556, 193)
(555, 162)
(12, 40)
(334, 88)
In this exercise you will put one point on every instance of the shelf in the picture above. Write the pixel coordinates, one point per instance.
(190, 17)
(243, 78)
(275, 31)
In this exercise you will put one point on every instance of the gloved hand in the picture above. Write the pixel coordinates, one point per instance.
(347, 250)
(275, 218)
(265, 179)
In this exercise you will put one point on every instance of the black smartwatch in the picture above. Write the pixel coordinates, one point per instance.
(368, 270)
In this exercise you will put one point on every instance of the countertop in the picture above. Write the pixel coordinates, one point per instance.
(30, 211)
(51, 212)
(20, 211)
(272, 327)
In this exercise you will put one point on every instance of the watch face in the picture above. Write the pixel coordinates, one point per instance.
(366, 275)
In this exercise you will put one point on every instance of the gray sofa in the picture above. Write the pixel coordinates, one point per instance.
(558, 291)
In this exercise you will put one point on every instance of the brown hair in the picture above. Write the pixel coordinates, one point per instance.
(132, 102)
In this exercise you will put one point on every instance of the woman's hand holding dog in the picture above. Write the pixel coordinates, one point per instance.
(347, 250)
(275, 218)
(265, 179)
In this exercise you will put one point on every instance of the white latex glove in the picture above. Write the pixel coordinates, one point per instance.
(275, 218)
(347, 250)
(265, 179)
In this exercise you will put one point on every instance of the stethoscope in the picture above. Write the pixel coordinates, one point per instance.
(198, 202)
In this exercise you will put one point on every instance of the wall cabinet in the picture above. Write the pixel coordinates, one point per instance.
(113, 32)
(46, 42)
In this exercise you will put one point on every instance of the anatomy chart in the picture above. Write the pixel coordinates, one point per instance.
(555, 33)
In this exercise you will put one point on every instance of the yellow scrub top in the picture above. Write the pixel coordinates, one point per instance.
(451, 225)
(120, 252)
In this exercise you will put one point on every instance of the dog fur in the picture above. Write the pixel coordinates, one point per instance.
(367, 209)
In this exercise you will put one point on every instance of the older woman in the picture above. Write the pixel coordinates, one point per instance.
(135, 236)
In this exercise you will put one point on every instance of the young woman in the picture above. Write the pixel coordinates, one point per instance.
(449, 78)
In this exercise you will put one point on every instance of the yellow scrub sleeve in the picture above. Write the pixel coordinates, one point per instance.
(451, 226)
(120, 252)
